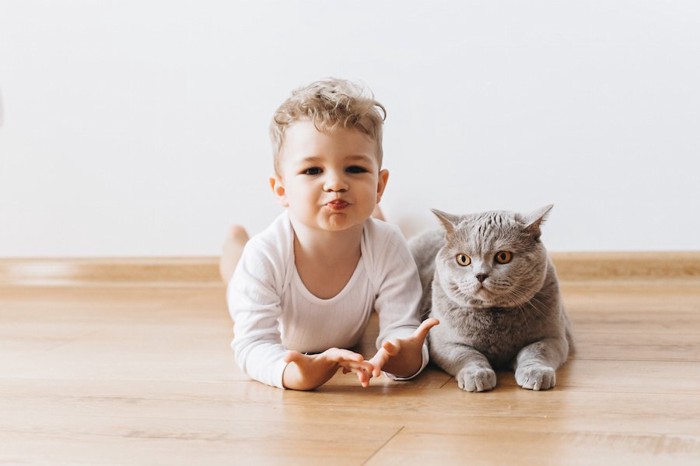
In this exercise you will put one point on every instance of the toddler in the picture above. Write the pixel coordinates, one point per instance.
(302, 291)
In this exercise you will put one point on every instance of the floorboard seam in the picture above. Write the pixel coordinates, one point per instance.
(384, 444)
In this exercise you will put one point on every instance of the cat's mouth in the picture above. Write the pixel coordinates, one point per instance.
(482, 297)
(477, 296)
(482, 292)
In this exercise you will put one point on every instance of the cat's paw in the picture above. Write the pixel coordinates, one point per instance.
(476, 379)
(536, 377)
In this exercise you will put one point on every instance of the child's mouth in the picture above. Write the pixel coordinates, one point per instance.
(337, 204)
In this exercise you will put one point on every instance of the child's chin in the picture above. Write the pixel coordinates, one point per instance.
(337, 222)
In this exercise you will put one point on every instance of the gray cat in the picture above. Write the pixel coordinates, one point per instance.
(496, 294)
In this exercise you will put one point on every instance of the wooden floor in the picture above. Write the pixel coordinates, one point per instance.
(143, 375)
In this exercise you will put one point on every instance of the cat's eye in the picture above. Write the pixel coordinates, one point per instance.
(463, 260)
(503, 257)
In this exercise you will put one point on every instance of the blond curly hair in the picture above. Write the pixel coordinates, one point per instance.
(329, 104)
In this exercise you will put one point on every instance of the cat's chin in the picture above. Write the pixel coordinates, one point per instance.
(479, 303)
(478, 299)
(482, 298)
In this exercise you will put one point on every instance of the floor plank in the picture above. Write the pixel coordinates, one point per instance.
(144, 375)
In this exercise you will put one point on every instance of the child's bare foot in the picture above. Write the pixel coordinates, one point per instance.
(232, 250)
(378, 214)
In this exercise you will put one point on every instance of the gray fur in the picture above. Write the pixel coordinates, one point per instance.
(518, 322)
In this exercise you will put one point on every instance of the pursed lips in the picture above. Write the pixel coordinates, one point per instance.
(337, 204)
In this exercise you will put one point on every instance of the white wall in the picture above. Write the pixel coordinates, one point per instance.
(139, 127)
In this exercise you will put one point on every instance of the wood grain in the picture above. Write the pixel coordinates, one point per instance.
(133, 374)
(104, 272)
(203, 271)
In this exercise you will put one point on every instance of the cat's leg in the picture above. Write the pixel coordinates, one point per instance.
(470, 368)
(536, 364)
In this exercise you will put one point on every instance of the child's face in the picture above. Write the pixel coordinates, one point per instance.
(328, 180)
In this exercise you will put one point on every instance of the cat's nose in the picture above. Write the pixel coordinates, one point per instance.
(481, 277)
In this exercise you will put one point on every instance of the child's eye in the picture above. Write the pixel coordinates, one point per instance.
(356, 169)
(312, 171)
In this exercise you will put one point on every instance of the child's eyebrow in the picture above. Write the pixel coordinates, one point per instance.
(359, 157)
(310, 159)
(350, 158)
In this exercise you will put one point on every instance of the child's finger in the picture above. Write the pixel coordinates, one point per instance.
(363, 377)
(339, 355)
(378, 361)
(392, 347)
(362, 371)
(358, 366)
(424, 328)
(355, 366)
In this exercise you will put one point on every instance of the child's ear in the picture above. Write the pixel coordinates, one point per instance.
(381, 184)
(278, 189)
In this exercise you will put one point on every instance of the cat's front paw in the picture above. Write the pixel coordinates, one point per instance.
(476, 379)
(536, 377)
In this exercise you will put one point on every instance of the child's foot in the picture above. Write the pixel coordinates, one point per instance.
(238, 235)
(232, 250)
(378, 214)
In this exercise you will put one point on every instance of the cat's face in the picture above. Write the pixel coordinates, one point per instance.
(492, 259)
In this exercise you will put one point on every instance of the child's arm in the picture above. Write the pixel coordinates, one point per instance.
(402, 357)
(307, 372)
(254, 299)
(402, 350)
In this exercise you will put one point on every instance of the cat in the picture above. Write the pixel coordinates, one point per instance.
(489, 280)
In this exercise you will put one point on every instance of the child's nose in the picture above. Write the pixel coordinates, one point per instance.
(335, 182)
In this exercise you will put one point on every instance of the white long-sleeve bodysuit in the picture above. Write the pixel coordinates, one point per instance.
(273, 311)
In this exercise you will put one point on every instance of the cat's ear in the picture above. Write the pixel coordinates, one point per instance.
(535, 219)
(449, 221)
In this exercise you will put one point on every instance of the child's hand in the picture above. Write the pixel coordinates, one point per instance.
(403, 356)
(306, 372)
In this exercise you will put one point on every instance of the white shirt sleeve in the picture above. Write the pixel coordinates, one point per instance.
(399, 291)
(255, 306)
